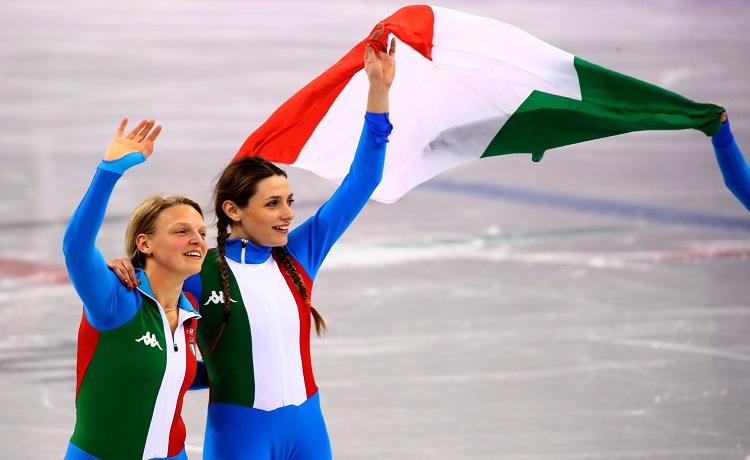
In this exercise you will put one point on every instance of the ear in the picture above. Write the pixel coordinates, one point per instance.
(231, 210)
(143, 243)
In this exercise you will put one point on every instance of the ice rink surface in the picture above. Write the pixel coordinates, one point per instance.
(592, 306)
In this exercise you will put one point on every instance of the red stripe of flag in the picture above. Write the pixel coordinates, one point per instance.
(282, 137)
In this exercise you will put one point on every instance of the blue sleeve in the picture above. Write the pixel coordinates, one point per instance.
(313, 239)
(200, 382)
(107, 303)
(193, 286)
(732, 164)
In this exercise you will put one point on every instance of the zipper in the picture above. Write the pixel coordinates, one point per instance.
(278, 336)
(170, 379)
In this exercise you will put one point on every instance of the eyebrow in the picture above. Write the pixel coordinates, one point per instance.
(278, 197)
(187, 224)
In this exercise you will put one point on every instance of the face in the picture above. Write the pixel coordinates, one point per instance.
(266, 218)
(178, 245)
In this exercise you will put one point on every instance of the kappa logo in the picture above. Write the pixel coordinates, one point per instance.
(217, 298)
(150, 339)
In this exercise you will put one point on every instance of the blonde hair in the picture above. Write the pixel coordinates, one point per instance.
(143, 220)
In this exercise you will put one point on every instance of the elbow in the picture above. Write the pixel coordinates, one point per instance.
(69, 245)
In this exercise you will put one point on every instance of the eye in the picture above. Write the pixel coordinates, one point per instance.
(290, 201)
(272, 203)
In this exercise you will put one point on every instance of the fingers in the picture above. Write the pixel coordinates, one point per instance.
(141, 130)
(121, 129)
(131, 275)
(374, 47)
(723, 114)
(152, 137)
(378, 31)
(134, 132)
(126, 275)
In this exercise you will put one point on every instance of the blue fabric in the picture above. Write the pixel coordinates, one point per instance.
(76, 453)
(286, 433)
(107, 302)
(732, 164)
(380, 125)
(200, 381)
(123, 164)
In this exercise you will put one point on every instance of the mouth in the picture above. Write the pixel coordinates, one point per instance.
(194, 254)
(281, 228)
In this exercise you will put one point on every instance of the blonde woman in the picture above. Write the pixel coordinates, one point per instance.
(136, 350)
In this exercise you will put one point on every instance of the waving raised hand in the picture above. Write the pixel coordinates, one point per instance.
(140, 139)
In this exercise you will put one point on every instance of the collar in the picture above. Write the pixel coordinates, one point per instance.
(245, 252)
(145, 287)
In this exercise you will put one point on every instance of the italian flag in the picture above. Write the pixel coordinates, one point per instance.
(466, 87)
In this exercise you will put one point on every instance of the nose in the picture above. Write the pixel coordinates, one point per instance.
(197, 238)
(288, 213)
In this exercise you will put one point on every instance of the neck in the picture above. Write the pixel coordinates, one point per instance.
(239, 235)
(166, 288)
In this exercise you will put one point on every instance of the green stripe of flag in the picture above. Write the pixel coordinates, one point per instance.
(612, 104)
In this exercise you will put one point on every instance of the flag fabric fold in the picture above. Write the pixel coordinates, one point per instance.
(466, 87)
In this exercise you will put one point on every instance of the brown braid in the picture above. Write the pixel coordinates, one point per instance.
(237, 184)
(282, 254)
(221, 246)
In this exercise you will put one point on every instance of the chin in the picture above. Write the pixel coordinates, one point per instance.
(194, 268)
(277, 242)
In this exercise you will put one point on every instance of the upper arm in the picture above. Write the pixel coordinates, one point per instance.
(313, 239)
(107, 302)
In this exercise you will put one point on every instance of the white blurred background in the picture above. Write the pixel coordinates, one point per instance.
(592, 306)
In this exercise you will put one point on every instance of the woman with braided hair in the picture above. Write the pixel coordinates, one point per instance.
(253, 293)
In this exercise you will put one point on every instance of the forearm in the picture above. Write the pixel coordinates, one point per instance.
(377, 98)
(732, 164)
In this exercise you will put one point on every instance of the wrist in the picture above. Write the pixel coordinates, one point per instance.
(377, 100)
(120, 165)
